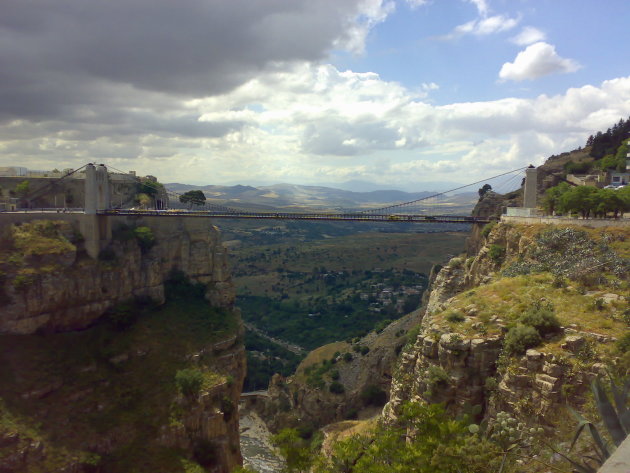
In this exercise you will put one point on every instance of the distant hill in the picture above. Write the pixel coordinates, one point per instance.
(283, 196)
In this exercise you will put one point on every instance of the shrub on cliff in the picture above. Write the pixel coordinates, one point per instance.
(145, 238)
(336, 388)
(520, 338)
(189, 381)
(542, 317)
(496, 253)
(373, 395)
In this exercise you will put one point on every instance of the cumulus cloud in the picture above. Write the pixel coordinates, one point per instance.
(69, 54)
(537, 60)
(528, 35)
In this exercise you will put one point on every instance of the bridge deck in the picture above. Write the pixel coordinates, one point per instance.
(354, 217)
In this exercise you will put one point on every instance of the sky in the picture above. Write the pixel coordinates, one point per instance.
(399, 93)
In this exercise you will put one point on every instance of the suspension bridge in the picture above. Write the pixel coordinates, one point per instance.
(98, 201)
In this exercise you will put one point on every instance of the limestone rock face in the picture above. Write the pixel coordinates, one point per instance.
(71, 387)
(292, 402)
(81, 290)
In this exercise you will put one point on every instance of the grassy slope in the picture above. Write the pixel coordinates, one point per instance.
(593, 303)
(93, 395)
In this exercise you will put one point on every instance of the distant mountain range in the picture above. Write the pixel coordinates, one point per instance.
(283, 196)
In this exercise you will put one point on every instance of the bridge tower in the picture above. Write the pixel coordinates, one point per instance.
(97, 189)
(95, 228)
(531, 188)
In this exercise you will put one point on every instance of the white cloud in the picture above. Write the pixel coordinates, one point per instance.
(416, 3)
(528, 35)
(482, 6)
(486, 26)
(537, 60)
(314, 123)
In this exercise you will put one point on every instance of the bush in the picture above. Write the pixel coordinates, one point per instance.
(373, 395)
(485, 231)
(364, 350)
(496, 253)
(22, 281)
(542, 318)
(189, 381)
(623, 344)
(520, 338)
(145, 238)
(334, 375)
(227, 407)
(347, 357)
(336, 387)
(455, 317)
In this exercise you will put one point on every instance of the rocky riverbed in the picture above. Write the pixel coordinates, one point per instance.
(256, 448)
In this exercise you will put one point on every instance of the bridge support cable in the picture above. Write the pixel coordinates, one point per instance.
(47, 188)
(389, 208)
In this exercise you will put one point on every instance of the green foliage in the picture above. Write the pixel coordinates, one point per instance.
(195, 197)
(23, 281)
(455, 317)
(570, 253)
(623, 344)
(423, 440)
(144, 237)
(189, 381)
(336, 388)
(573, 167)
(616, 418)
(487, 228)
(294, 449)
(347, 357)
(412, 334)
(496, 253)
(436, 377)
(484, 190)
(373, 395)
(542, 317)
(179, 286)
(551, 200)
(519, 338)
(22, 189)
(227, 407)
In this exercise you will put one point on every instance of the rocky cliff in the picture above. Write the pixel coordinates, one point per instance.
(337, 381)
(51, 285)
(468, 351)
(150, 382)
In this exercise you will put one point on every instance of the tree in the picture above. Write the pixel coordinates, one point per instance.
(23, 188)
(144, 200)
(484, 189)
(196, 197)
(552, 197)
(582, 199)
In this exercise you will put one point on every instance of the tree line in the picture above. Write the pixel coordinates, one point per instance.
(586, 201)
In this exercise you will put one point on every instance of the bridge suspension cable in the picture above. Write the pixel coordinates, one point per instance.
(403, 204)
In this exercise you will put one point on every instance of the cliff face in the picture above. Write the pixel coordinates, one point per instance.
(460, 356)
(305, 399)
(65, 290)
(148, 384)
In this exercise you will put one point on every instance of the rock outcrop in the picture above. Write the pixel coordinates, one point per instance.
(99, 371)
(293, 402)
(78, 290)
(459, 357)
